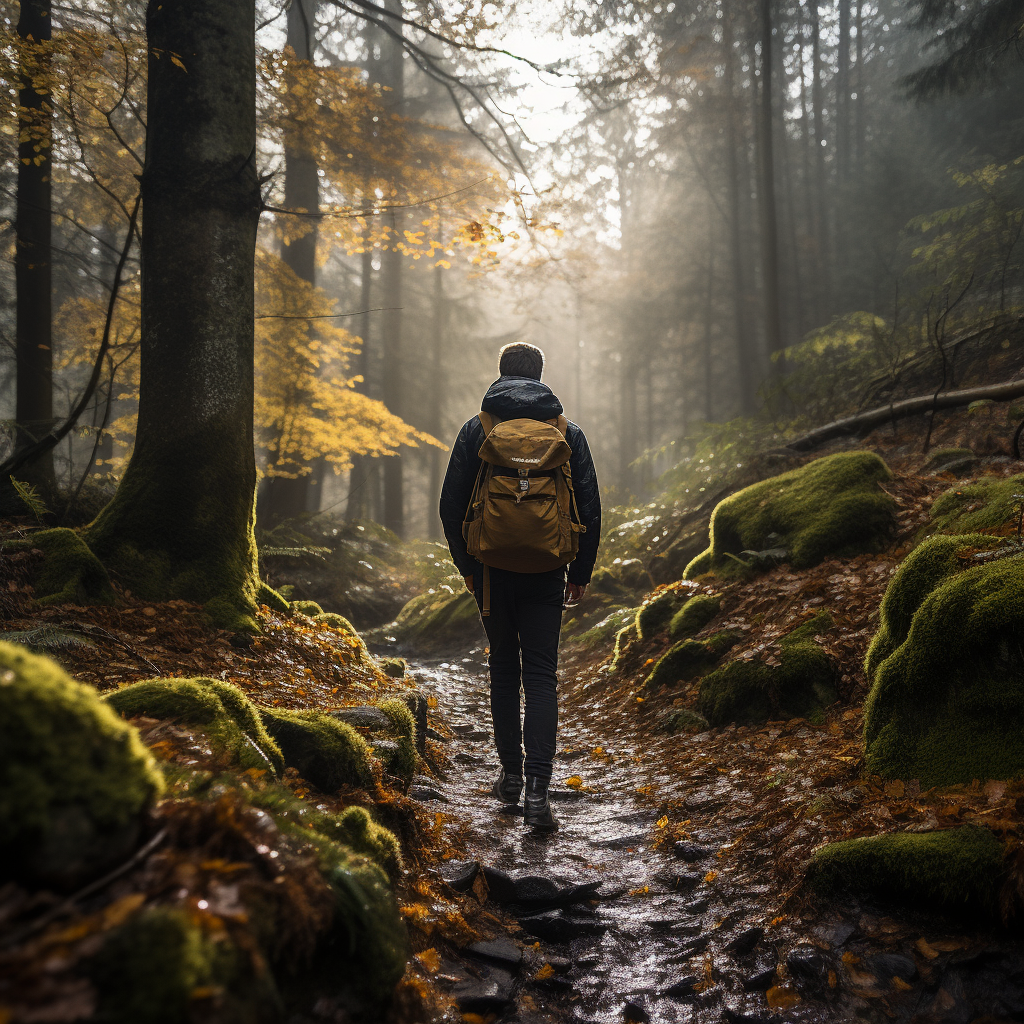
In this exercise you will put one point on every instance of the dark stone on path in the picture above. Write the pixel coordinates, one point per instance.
(693, 946)
(691, 852)
(568, 795)
(682, 882)
(417, 704)
(426, 793)
(731, 1016)
(502, 951)
(536, 889)
(554, 926)
(634, 1013)
(460, 875)
(763, 975)
(697, 906)
(365, 717)
(433, 734)
(464, 757)
(492, 994)
(745, 942)
(683, 987)
(807, 963)
(886, 966)
(500, 887)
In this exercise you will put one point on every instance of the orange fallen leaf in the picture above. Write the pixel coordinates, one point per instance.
(574, 781)
(710, 876)
(547, 971)
(782, 997)
(430, 959)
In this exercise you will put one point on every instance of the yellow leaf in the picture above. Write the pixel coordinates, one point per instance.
(663, 821)
(547, 971)
(177, 63)
(430, 959)
(710, 876)
(900, 985)
(782, 997)
(120, 910)
(574, 781)
(925, 950)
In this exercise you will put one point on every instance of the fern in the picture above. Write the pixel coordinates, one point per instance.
(48, 639)
(30, 496)
(294, 552)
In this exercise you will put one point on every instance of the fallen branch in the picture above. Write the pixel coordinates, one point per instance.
(865, 421)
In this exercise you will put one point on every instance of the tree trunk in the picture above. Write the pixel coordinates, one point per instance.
(438, 336)
(181, 522)
(746, 358)
(820, 176)
(843, 93)
(287, 497)
(767, 205)
(32, 266)
(364, 467)
(858, 116)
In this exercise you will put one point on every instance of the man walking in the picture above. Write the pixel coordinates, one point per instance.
(520, 503)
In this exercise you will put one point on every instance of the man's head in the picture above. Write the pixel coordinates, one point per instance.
(521, 360)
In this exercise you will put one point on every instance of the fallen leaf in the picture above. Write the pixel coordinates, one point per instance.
(430, 959)
(547, 971)
(927, 951)
(782, 997)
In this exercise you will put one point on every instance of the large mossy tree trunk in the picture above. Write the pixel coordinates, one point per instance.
(181, 522)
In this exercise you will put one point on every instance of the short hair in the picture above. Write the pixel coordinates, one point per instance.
(521, 360)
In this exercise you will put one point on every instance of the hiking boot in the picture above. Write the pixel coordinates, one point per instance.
(508, 787)
(536, 809)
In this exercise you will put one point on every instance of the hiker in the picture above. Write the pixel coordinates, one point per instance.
(520, 503)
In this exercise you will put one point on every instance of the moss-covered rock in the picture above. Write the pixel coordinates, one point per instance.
(221, 710)
(432, 621)
(655, 615)
(355, 828)
(958, 461)
(832, 506)
(947, 705)
(400, 760)
(694, 615)
(919, 574)
(396, 668)
(625, 638)
(70, 573)
(334, 620)
(955, 870)
(689, 659)
(310, 608)
(152, 968)
(802, 685)
(74, 779)
(684, 720)
(605, 631)
(324, 751)
(983, 505)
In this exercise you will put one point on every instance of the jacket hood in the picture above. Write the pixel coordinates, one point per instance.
(510, 398)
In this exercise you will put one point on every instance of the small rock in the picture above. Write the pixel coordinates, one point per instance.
(763, 976)
(422, 793)
(745, 942)
(697, 906)
(460, 875)
(433, 734)
(634, 1013)
(683, 882)
(365, 717)
(886, 966)
(684, 987)
(464, 757)
(807, 963)
(693, 946)
(502, 951)
(502, 887)
(691, 852)
(492, 994)
(556, 926)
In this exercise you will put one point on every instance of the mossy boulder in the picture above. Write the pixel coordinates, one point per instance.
(751, 692)
(689, 659)
(75, 780)
(985, 504)
(399, 760)
(958, 461)
(224, 713)
(355, 828)
(333, 619)
(655, 614)
(152, 967)
(947, 705)
(396, 668)
(350, 645)
(956, 869)
(310, 608)
(832, 506)
(684, 720)
(605, 631)
(442, 619)
(694, 615)
(266, 594)
(324, 751)
(625, 638)
(919, 574)
(70, 573)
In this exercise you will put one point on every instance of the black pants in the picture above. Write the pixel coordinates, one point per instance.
(523, 627)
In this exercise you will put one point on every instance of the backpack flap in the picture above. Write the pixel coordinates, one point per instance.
(525, 444)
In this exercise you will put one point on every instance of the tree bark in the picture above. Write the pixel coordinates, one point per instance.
(284, 497)
(820, 170)
(181, 522)
(767, 206)
(32, 260)
(362, 475)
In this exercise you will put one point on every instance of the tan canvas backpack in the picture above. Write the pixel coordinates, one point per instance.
(522, 515)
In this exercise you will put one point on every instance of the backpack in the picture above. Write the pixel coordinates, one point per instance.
(521, 512)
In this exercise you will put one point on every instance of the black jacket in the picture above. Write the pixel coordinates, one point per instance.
(510, 398)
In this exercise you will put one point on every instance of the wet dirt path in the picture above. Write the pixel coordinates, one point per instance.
(661, 937)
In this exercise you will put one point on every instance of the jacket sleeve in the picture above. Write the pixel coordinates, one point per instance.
(588, 501)
(463, 466)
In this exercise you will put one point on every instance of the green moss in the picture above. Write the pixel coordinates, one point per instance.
(396, 668)
(180, 525)
(441, 619)
(267, 595)
(920, 572)
(74, 778)
(984, 505)
(400, 761)
(751, 692)
(947, 705)
(606, 582)
(355, 828)
(336, 621)
(832, 506)
(151, 968)
(70, 573)
(324, 751)
(685, 720)
(624, 639)
(606, 630)
(688, 659)
(656, 614)
(956, 869)
(224, 713)
(694, 615)
(310, 608)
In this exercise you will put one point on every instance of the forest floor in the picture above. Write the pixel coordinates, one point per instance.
(674, 890)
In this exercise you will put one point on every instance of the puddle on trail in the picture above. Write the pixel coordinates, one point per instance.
(660, 937)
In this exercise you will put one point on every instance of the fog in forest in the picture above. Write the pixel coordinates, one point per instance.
(723, 222)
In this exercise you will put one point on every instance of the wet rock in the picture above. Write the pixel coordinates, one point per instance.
(763, 975)
(686, 986)
(569, 796)
(500, 887)
(422, 793)
(460, 875)
(745, 942)
(697, 906)
(681, 882)
(558, 926)
(634, 1013)
(366, 717)
(886, 966)
(464, 757)
(501, 951)
(492, 994)
(808, 964)
(433, 734)
(741, 1016)
(835, 933)
(691, 852)
(691, 947)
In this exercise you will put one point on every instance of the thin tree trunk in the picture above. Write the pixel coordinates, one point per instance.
(821, 181)
(709, 319)
(767, 205)
(32, 260)
(181, 522)
(284, 497)
(364, 467)
(438, 336)
(859, 102)
(843, 93)
(746, 360)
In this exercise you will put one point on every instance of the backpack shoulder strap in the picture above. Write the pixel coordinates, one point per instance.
(487, 421)
(560, 423)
